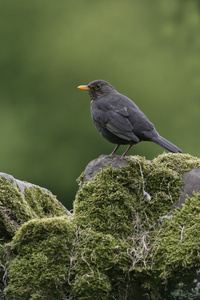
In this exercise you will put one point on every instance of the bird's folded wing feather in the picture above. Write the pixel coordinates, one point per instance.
(118, 124)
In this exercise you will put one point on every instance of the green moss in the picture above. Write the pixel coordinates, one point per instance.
(115, 200)
(40, 268)
(179, 242)
(108, 203)
(101, 261)
(43, 203)
(5, 259)
(17, 206)
(13, 207)
(177, 161)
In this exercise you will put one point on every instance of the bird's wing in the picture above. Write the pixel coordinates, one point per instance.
(119, 125)
(143, 129)
(123, 118)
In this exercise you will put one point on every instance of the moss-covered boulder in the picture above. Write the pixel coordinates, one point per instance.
(139, 241)
(21, 202)
(134, 234)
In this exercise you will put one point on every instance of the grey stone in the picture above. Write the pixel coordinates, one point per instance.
(102, 162)
(191, 184)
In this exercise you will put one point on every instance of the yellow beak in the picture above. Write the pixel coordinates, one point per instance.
(83, 87)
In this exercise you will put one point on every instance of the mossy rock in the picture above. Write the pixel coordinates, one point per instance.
(21, 202)
(137, 206)
(134, 234)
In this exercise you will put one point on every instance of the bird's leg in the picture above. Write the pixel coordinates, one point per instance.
(113, 153)
(124, 154)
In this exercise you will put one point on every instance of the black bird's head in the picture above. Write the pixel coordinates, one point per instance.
(97, 88)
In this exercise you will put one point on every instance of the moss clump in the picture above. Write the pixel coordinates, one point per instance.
(13, 208)
(43, 203)
(178, 162)
(101, 261)
(118, 201)
(108, 204)
(40, 268)
(179, 241)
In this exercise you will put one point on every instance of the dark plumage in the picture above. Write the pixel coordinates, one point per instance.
(119, 120)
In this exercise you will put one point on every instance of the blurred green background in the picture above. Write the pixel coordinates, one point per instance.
(149, 50)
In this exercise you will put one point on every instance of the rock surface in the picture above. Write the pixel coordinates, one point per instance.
(191, 184)
(102, 162)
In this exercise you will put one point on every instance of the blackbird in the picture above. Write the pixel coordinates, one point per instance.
(119, 120)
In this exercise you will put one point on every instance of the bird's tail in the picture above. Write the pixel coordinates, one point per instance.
(166, 144)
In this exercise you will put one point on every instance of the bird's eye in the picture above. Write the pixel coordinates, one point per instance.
(98, 86)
